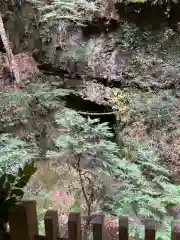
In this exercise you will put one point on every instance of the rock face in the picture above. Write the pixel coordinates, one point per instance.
(102, 59)
(95, 92)
(108, 57)
(96, 57)
(24, 63)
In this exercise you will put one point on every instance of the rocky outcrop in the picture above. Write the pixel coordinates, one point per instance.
(106, 56)
(95, 92)
(24, 65)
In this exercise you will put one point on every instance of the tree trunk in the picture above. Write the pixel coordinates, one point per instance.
(11, 62)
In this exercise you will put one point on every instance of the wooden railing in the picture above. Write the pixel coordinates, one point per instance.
(24, 226)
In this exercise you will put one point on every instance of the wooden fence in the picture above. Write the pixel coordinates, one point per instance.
(24, 226)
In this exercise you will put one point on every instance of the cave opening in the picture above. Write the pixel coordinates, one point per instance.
(87, 108)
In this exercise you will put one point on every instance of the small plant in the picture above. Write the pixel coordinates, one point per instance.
(131, 37)
(11, 191)
(120, 103)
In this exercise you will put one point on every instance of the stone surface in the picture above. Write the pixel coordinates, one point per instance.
(95, 92)
(23, 63)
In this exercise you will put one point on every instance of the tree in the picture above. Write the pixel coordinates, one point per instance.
(86, 145)
(11, 61)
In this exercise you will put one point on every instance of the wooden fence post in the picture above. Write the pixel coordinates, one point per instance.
(51, 225)
(74, 226)
(23, 221)
(150, 229)
(175, 234)
(123, 228)
(98, 227)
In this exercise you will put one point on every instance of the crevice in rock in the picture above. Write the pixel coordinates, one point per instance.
(2, 46)
(100, 25)
(49, 69)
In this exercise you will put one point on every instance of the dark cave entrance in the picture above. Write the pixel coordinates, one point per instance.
(81, 105)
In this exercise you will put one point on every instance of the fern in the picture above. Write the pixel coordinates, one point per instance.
(145, 191)
(13, 154)
(84, 136)
(46, 95)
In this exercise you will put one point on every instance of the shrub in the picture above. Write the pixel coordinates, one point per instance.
(144, 190)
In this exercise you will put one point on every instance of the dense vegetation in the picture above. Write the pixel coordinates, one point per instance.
(132, 173)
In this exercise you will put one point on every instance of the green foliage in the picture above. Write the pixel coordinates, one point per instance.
(86, 145)
(144, 189)
(46, 96)
(77, 11)
(76, 206)
(11, 190)
(14, 153)
(85, 137)
(120, 103)
(23, 114)
(157, 110)
(130, 37)
(16, 168)
(13, 108)
(20, 107)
